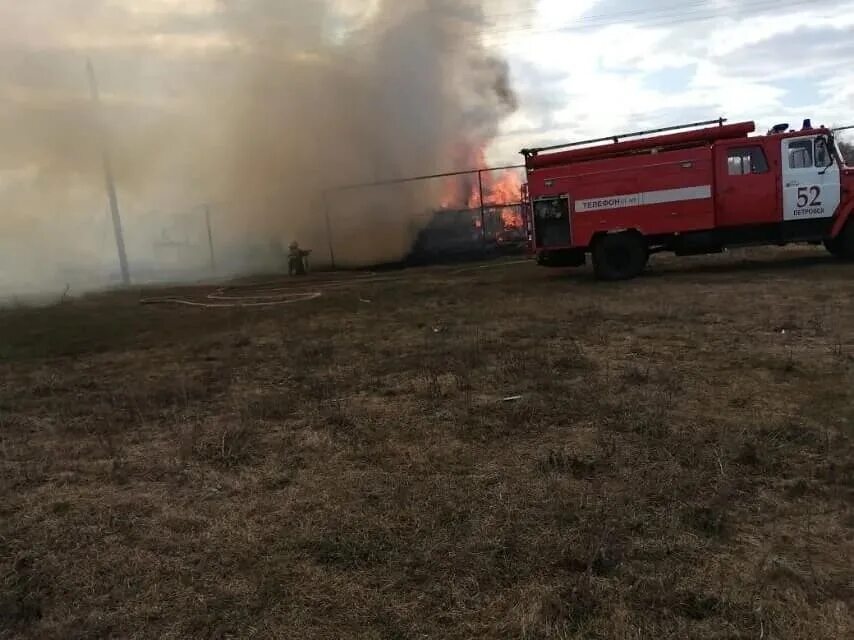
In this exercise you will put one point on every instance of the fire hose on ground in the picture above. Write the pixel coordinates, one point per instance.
(274, 294)
(259, 295)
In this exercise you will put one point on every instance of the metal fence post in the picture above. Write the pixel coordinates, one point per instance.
(328, 228)
(482, 207)
(210, 238)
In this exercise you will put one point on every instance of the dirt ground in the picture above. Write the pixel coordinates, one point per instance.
(498, 452)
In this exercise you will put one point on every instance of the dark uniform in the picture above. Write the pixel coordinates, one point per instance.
(296, 260)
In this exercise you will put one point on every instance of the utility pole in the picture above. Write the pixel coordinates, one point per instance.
(210, 237)
(108, 177)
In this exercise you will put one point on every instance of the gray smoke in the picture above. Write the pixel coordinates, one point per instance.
(253, 106)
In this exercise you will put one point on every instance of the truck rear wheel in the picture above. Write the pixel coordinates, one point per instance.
(620, 256)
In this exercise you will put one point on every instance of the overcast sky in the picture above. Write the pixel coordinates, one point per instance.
(592, 67)
(581, 67)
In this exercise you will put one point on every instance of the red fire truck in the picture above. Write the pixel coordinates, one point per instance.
(692, 189)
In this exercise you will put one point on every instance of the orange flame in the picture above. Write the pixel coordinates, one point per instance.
(499, 188)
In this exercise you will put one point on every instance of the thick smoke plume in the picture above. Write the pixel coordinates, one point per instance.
(256, 107)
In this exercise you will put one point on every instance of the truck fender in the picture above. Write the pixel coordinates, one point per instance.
(844, 212)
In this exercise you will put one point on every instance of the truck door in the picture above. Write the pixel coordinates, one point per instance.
(747, 191)
(551, 223)
(811, 183)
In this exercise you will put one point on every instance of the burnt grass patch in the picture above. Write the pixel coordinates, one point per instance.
(498, 453)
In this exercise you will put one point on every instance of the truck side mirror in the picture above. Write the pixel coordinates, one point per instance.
(820, 142)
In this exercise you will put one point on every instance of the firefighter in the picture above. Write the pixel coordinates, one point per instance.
(297, 260)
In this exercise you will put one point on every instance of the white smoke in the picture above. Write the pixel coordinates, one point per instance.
(253, 106)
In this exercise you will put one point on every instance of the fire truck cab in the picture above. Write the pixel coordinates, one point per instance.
(687, 190)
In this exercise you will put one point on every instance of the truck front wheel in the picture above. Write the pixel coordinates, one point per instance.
(620, 256)
(842, 246)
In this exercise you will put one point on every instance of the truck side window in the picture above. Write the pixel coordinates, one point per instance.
(822, 154)
(800, 154)
(552, 208)
(747, 160)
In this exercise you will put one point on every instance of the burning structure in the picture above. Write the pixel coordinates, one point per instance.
(480, 212)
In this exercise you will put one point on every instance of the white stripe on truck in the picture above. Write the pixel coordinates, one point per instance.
(641, 199)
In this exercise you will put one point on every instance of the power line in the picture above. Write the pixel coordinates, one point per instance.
(594, 17)
(672, 15)
(617, 17)
(660, 19)
(532, 11)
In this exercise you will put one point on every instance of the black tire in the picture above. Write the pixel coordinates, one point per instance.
(842, 246)
(834, 247)
(620, 256)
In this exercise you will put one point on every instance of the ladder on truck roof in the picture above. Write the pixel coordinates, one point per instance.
(615, 139)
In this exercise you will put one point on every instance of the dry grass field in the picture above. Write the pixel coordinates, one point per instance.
(678, 461)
